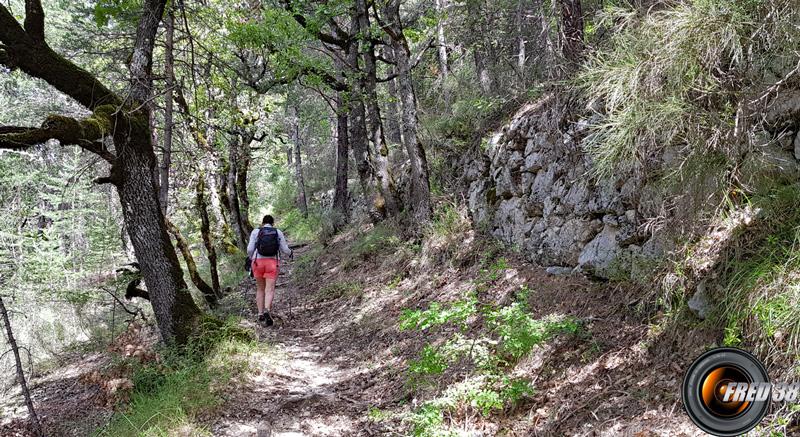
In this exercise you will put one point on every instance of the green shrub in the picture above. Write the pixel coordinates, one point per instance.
(438, 314)
(427, 421)
(171, 393)
(381, 239)
(519, 332)
(430, 362)
(674, 76)
(301, 229)
(761, 276)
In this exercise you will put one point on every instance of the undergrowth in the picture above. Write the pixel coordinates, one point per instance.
(505, 334)
(761, 278)
(673, 76)
(171, 392)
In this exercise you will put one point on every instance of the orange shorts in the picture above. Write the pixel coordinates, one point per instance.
(266, 268)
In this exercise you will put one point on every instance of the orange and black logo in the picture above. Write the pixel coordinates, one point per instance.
(727, 392)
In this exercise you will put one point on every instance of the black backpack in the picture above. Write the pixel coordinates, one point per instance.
(267, 243)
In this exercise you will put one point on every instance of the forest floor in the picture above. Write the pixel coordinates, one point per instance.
(336, 364)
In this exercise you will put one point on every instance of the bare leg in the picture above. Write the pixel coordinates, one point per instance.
(260, 284)
(270, 292)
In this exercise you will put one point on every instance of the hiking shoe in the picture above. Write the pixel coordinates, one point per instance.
(268, 320)
(262, 318)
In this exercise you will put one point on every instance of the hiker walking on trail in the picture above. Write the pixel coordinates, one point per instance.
(266, 243)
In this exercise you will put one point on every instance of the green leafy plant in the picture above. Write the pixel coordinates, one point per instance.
(437, 314)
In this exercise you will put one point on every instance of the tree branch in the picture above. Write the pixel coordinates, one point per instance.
(34, 20)
(87, 133)
(22, 50)
(303, 22)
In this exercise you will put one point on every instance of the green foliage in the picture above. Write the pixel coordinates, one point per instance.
(427, 421)
(169, 394)
(125, 11)
(301, 229)
(430, 362)
(382, 239)
(495, 393)
(438, 314)
(761, 276)
(519, 332)
(672, 76)
(510, 333)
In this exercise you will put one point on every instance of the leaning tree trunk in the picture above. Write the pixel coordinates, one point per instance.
(341, 198)
(37, 426)
(294, 139)
(208, 293)
(205, 231)
(173, 306)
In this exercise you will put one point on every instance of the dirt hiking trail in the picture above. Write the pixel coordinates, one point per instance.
(301, 387)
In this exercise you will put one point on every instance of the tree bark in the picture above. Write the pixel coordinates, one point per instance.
(242, 170)
(234, 206)
(166, 157)
(393, 128)
(341, 197)
(420, 195)
(205, 231)
(519, 24)
(444, 68)
(34, 419)
(208, 292)
(357, 131)
(294, 138)
(173, 306)
(484, 76)
(385, 183)
(572, 30)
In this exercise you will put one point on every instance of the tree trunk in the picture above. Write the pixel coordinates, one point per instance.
(205, 231)
(393, 128)
(341, 197)
(444, 68)
(242, 166)
(484, 76)
(357, 132)
(294, 139)
(420, 195)
(35, 424)
(173, 306)
(166, 157)
(134, 169)
(234, 208)
(519, 24)
(380, 156)
(572, 30)
(208, 293)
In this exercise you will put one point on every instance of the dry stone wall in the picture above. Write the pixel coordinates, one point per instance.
(530, 187)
